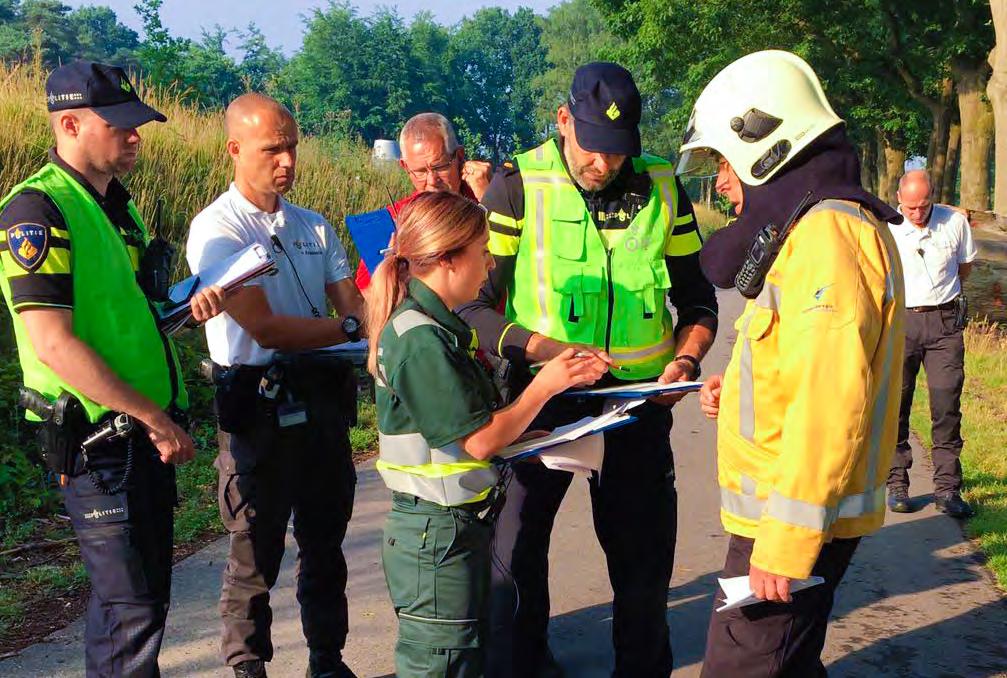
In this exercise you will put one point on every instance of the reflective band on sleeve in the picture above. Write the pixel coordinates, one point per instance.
(801, 513)
(503, 245)
(410, 319)
(685, 244)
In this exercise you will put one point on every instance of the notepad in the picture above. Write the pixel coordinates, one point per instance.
(565, 434)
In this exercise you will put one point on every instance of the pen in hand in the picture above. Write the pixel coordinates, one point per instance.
(542, 363)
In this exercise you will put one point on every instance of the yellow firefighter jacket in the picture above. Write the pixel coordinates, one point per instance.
(809, 406)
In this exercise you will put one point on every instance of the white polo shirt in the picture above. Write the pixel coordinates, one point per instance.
(231, 223)
(931, 255)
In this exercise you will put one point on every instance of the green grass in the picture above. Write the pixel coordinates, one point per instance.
(984, 463)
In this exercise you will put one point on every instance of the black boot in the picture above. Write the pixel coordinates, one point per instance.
(898, 500)
(953, 505)
(327, 666)
(253, 668)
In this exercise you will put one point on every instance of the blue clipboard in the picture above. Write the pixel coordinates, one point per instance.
(538, 450)
(371, 232)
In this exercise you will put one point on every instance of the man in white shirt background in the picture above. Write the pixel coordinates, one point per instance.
(936, 248)
(283, 414)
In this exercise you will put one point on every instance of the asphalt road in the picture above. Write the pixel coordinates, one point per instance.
(916, 601)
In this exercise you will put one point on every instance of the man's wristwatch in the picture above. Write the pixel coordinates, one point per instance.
(351, 327)
(692, 360)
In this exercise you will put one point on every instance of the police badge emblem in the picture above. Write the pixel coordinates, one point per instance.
(28, 244)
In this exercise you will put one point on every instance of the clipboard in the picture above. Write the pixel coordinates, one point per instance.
(371, 232)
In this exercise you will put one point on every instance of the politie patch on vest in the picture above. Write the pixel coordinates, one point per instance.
(28, 245)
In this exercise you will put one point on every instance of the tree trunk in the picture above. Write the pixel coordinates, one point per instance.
(937, 146)
(996, 90)
(977, 132)
(869, 167)
(951, 171)
(891, 166)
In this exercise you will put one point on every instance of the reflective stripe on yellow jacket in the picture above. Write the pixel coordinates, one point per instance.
(809, 407)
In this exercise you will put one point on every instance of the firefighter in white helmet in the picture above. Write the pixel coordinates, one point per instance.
(808, 406)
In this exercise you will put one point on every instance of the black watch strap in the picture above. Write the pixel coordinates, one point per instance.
(692, 360)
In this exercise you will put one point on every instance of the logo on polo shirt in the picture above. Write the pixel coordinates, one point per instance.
(308, 247)
(98, 514)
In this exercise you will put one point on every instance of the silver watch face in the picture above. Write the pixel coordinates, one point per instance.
(350, 324)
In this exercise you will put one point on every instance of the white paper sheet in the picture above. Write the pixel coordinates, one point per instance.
(738, 591)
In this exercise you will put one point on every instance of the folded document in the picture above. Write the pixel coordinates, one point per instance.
(738, 591)
(231, 273)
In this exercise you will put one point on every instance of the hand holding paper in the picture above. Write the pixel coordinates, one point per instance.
(738, 591)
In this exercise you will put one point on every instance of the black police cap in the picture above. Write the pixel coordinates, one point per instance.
(104, 89)
(605, 102)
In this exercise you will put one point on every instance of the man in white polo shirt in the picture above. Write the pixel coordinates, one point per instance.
(935, 244)
(283, 414)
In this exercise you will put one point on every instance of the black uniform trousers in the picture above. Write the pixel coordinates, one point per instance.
(775, 640)
(634, 505)
(933, 341)
(267, 472)
(126, 542)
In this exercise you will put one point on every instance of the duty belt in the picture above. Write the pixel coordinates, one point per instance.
(946, 306)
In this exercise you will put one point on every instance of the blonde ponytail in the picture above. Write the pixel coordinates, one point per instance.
(432, 228)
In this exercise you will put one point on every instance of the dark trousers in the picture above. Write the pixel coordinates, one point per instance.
(634, 505)
(125, 540)
(775, 640)
(265, 474)
(933, 341)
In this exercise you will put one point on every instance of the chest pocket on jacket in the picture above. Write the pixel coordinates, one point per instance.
(578, 284)
(641, 289)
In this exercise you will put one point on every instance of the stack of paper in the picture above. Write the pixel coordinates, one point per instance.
(565, 434)
(231, 273)
(639, 390)
(738, 591)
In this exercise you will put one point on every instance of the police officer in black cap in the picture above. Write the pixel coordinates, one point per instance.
(79, 276)
(591, 238)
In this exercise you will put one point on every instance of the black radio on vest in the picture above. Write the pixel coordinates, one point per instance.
(156, 262)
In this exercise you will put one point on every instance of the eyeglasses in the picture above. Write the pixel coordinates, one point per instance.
(440, 170)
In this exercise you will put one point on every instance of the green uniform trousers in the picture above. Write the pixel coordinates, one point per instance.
(437, 566)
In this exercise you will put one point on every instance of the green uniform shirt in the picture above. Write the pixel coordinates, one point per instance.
(431, 393)
(438, 389)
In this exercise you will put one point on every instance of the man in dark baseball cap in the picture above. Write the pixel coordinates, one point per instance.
(104, 89)
(75, 274)
(587, 234)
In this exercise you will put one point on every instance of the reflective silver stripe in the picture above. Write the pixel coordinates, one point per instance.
(642, 353)
(410, 319)
(836, 205)
(770, 297)
(540, 153)
(746, 385)
(453, 490)
(800, 513)
(411, 449)
(557, 180)
(797, 512)
(666, 196)
(878, 411)
(747, 484)
(662, 173)
(540, 255)
(744, 505)
(863, 504)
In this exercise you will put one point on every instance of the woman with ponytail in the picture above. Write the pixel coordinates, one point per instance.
(439, 421)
